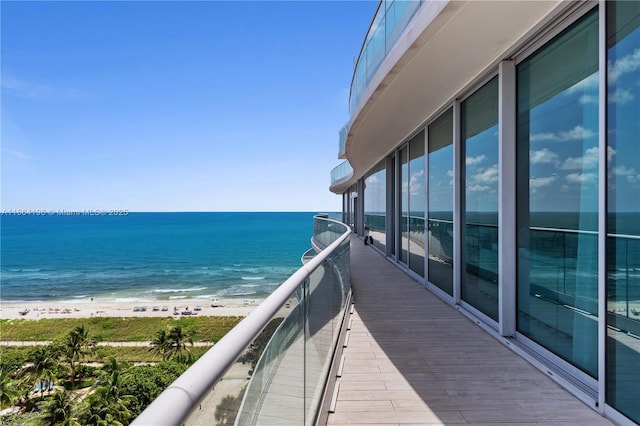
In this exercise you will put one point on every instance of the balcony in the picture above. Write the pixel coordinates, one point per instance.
(272, 368)
(407, 357)
(390, 20)
(410, 358)
(340, 174)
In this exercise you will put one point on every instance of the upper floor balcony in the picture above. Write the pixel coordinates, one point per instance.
(341, 173)
(390, 20)
(418, 56)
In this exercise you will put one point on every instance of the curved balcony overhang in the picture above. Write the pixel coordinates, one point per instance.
(444, 49)
(341, 177)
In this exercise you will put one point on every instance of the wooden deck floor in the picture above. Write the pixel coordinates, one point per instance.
(411, 359)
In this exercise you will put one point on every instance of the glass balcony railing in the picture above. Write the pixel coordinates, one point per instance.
(341, 172)
(342, 139)
(391, 19)
(273, 367)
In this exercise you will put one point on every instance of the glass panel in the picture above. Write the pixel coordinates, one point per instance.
(557, 176)
(480, 234)
(392, 214)
(399, 13)
(404, 205)
(441, 202)
(375, 51)
(319, 338)
(375, 206)
(276, 390)
(416, 204)
(623, 245)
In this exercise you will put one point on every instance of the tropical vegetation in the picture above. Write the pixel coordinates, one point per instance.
(55, 384)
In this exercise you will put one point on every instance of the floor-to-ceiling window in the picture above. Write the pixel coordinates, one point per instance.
(557, 206)
(479, 136)
(412, 202)
(353, 207)
(375, 205)
(623, 245)
(440, 223)
(416, 195)
(403, 215)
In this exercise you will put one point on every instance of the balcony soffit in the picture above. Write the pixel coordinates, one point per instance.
(461, 42)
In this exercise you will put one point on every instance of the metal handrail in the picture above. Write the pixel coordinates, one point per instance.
(175, 404)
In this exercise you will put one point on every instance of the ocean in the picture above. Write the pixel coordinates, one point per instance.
(149, 256)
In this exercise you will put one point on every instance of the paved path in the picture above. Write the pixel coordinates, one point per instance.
(413, 359)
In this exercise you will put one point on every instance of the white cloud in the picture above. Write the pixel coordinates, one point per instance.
(471, 161)
(478, 188)
(487, 176)
(481, 180)
(450, 173)
(582, 177)
(588, 161)
(621, 96)
(626, 64)
(628, 172)
(589, 99)
(610, 153)
(543, 156)
(575, 134)
(371, 179)
(535, 183)
(415, 183)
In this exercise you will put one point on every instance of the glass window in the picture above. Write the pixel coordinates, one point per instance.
(404, 205)
(440, 223)
(623, 245)
(375, 205)
(416, 204)
(557, 206)
(479, 115)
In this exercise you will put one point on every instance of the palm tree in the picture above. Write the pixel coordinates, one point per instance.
(59, 409)
(76, 345)
(178, 342)
(161, 345)
(42, 363)
(8, 393)
(107, 405)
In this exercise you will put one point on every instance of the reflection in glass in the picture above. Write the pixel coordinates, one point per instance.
(557, 172)
(623, 243)
(416, 204)
(375, 205)
(479, 116)
(404, 205)
(441, 202)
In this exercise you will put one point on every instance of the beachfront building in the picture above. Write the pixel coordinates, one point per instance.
(493, 154)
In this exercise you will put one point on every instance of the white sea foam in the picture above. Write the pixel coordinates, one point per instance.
(178, 290)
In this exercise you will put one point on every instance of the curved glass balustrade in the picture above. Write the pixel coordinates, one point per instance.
(341, 172)
(272, 368)
(389, 22)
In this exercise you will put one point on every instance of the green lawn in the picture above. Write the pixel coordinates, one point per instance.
(203, 328)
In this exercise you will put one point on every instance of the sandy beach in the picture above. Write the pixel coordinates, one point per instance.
(89, 309)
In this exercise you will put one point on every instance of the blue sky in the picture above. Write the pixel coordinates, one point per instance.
(175, 106)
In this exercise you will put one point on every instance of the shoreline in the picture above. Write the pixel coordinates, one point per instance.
(35, 310)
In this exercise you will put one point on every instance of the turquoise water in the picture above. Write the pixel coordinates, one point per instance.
(150, 256)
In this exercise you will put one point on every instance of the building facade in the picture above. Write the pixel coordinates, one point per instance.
(493, 153)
